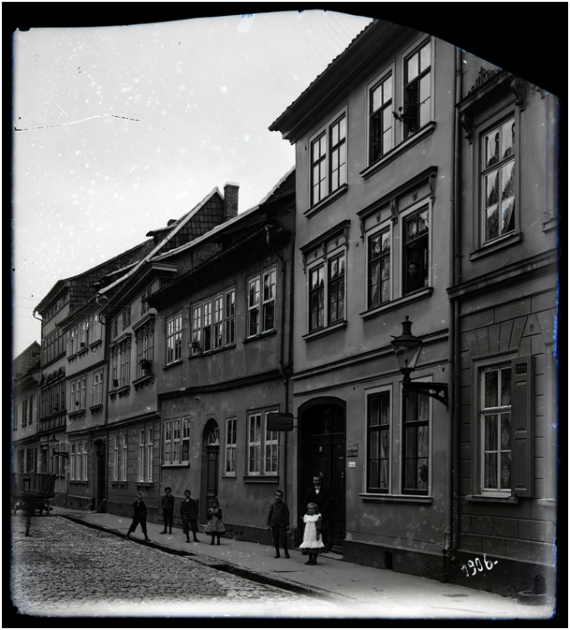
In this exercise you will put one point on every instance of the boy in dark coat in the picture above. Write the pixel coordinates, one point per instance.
(167, 505)
(278, 522)
(189, 515)
(139, 516)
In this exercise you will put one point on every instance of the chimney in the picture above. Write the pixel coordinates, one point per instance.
(231, 192)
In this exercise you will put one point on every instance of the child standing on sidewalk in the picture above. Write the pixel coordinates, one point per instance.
(312, 536)
(278, 522)
(138, 509)
(215, 526)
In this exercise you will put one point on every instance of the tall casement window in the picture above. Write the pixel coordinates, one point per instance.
(262, 446)
(417, 89)
(73, 341)
(231, 447)
(174, 338)
(416, 251)
(317, 298)
(230, 317)
(378, 444)
(145, 349)
(15, 416)
(379, 264)
(115, 367)
(25, 412)
(146, 450)
(336, 268)
(144, 301)
(97, 388)
(213, 323)
(126, 317)
(78, 394)
(337, 144)
(416, 460)
(381, 118)
(269, 283)
(115, 460)
(328, 160)
(72, 464)
(176, 449)
(84, 335)
(498, 176)
(32, 410)
(496, 431)
(95, 330)
(125, 363)
(123, 465)
(253, 308)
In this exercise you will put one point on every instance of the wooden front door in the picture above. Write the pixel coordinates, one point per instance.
(323, 450)
(210, 460)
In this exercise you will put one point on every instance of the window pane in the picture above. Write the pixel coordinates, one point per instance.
(376, 98)
(506, 432)
(492, 227)
(507, 181)
(491, 148)
(508, 216)
(387, 141)
(342, 124)
(491, 389)
(412, 67)
(506, 387)
(373, 478)
(374, 445)
(505, 471)
(425, 89)
(384, 446)
(491, 433)
(491, 470)
(387, 85)
(491, 188)
(425, 55)
(507, 139)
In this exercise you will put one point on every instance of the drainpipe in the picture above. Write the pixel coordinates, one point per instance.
(455, 269)
(282, 349)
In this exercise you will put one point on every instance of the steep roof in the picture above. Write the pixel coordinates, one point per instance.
(27, 360)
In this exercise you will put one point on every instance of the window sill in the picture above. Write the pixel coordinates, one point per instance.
(169, 365)
(94, 344)
(420, 294)
(264, 335)
(77, 414)
(148, 379)
(496, 245)
(71, 358)
(229, 476)
(83, 351)
(326, 201)
(261, 479)
(121, 391)
(144, 484)
(323, 332)
(119, 484)
(208, 353)
(368, 497)
(76, 482)
(181, 465)
(96, 408)
(480, 498)
(397, 151)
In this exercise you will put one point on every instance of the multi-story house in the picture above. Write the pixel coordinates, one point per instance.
(72, 363)
(504, 297)
(223, 356)
(373, 136)
(136, 356)
(25, 441)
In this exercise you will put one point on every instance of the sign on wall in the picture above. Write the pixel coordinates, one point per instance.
(352, 450)
(279, 421)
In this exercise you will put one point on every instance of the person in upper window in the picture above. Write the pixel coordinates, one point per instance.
(415, 278)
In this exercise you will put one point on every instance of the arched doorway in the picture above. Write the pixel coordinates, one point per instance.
(322, 425)
(210, 466)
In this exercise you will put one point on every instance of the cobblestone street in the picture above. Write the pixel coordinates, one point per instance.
(66, 569)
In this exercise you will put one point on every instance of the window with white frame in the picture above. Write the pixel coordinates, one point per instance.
(417, 89)
(126, 317)
(97, 388)
(174, 338)
(78, 394)
(125, 363)
(269, 290)
(231, 446)
(95, 331)
(379, 267)
(498, 180)
(496, 430)
(146, 451)
(149, 452)
(328, 160)
(73, 341)
(24, 412)
(176, 449)
(253, 307)
(262, 446)
(381, 127)
(115, 367)
(213, 323)
(416, 250)
(115, 464)
(123, 468)
(32, 410)
(84, 334)
(416, 444)
(145, 349)
(327, 291)
(72, 463)
(378, 442)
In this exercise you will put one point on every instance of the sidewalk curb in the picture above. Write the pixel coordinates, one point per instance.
(220, 565)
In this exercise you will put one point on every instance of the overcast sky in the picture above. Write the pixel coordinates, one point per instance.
(120, 129)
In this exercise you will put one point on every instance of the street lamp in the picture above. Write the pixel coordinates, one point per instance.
(407, 349)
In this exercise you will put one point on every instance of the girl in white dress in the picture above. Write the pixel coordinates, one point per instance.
(312, 536)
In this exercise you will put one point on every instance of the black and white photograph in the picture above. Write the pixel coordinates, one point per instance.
(286, 315)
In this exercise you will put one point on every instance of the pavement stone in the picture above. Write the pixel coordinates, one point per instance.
(331, 589)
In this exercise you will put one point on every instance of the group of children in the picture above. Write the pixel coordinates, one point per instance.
(277, 521)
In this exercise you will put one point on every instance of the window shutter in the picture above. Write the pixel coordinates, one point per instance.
(522, 426)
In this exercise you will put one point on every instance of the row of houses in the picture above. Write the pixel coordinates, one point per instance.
(424, 191)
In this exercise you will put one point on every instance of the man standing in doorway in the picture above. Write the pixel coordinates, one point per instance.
(319, 495)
